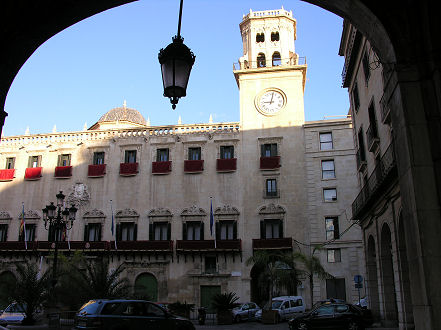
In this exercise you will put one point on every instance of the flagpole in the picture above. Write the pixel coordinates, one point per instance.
(212, 224)
(112, 227)
(24, 225)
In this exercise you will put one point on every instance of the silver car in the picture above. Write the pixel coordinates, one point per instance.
(245, 311)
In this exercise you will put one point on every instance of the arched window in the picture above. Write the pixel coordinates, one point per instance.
(276, 59)
(275, 36)
(260, 37)
(146, 287)
(261, 61)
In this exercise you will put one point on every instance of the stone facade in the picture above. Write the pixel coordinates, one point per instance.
(272, 181)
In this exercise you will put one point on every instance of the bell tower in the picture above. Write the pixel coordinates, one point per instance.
(270, 75)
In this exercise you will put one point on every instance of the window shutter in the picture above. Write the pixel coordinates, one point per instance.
(86, 232)
(59, 160)
(151, 232)
(336, 229)
(218, 234)
(118, 232)
(280, 229)
(158, 155)
(262, 230)
(39, 161)
(99, 232)
(30, 161)
(6, 233)
(169, 231)
(235, 230)
(135, 232)
(184, 231)
(262, 150)
(274, 149)
(202, 231)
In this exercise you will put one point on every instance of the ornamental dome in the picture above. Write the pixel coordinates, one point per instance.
(123, 114)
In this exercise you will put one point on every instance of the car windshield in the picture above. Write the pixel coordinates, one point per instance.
(276, 304)
(90, 307)
(15, 308)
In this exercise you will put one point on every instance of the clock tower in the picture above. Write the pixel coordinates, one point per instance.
(270, 75)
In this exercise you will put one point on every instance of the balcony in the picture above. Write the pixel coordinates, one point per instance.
(372, 138)
(226, 165)
(63, 172)
(379, 180)
(128, 169)
(46, 245)
(361, 160)
(146, 246)
(209, 245)
(385, 110)
(96, 171)
(272, 244)
(7, 175)
(269, 163)
(161, 167)
(193, 166)
(33, 173)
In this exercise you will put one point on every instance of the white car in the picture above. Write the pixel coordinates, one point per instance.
(13, 314)
(286, 306)
(245, 311)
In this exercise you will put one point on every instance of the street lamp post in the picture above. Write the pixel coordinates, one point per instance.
(57, 219)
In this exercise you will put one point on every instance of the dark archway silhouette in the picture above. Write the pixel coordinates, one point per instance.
(372, 278)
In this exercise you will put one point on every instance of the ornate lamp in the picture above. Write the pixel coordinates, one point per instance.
(176, 62)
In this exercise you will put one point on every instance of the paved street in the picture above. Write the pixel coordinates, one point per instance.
(243, 325)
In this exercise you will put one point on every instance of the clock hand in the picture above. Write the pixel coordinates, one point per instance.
(272, 95)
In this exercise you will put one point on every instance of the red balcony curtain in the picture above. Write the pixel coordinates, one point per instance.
(96, 171)
(193, 166)
(127, 169)
(269, 163)
(63, 171)
(226, 165)
(33, 173)
(161, 167)
(7, 175)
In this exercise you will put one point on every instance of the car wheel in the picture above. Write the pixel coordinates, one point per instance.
(302, 326)
(353, 326)
(237, 319)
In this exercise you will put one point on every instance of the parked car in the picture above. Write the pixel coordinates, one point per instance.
(245, 311)
(327, 301)
(363, 302)
(122, 314)
(333, 315)
(13, 314)
(286, 306)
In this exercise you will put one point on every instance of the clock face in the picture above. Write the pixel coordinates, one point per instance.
(270, 102)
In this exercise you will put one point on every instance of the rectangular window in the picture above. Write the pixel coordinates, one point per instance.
(330, 194)
(272, 229)
(361, 145)
(3, 232)
(194, 153)
(162, 155)
(64, 160)
(328, 169)
(227, 230)
(210, 265)
(193, 230)
(332, 230)
(98, 158)
(130, 156)
(334, 255)
(372, 120)
(160, 231)
(93, 232)
(34, 161)
(226, 152)
(326, 141)
(127, 231)
(10, 163)
(269, 150)
(30, 233)
(356, 98)
(366, 68)
(271, 188)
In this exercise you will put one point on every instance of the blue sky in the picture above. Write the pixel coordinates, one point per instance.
(96, 64)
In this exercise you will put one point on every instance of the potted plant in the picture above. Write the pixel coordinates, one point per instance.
(224, 303)
(181, 309)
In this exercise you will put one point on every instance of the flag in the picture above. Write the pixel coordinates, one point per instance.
(112, 225)
(211, 217)
(23, 226)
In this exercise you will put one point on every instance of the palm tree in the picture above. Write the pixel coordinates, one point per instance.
(278, 271)
(311, 266)
(31, 290)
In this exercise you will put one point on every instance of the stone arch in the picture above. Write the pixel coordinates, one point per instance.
(388, 280)
(372, 278)
(7, 284)
(261, 60)
(146, 287)
(406, 299)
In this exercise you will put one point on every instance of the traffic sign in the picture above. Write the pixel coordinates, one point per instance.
(358, 279)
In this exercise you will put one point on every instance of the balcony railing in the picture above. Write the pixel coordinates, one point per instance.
(63, 172)
(128, 169)
(269, 63)
(46, 245)
(7, 175)
(161, 167)
(33, 173)
(226, 165)
(380, 176)
(152, 246)
(271, 194)
(96, 171)
(272, 244)
(385, 110)
(209, 245)
(372, 138)
(269, 163)
(361, 160)
(193, 166)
